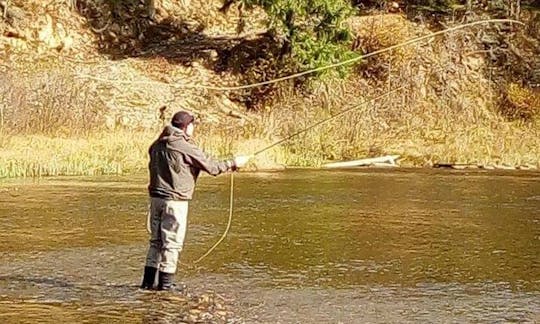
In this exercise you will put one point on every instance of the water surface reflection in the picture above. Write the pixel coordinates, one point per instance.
(385, 246)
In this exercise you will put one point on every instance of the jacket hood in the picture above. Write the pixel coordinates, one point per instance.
(172, 134)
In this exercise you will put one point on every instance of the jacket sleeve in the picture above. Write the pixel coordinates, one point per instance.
(198, 159)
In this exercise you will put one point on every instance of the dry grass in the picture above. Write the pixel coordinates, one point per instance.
(381, 31)
(48, 100)
(116, 152)
(122, 152)
(420, 140)
(100, 153)
(521, 102)
(448, 112)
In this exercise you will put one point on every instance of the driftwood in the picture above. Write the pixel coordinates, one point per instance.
(388, 160)
(6, 5)
(468, 166)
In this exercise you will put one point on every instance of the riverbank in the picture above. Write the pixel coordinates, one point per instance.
(73, 103)
(125, 152)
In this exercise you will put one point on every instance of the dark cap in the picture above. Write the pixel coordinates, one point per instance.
(182, 119)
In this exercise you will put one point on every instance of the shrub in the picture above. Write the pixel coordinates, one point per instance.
(313, 29)
(521, 102)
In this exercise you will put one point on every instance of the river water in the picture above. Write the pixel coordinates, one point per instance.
(353, 246)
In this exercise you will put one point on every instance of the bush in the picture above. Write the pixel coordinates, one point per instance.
(313, 29)
(521, 102)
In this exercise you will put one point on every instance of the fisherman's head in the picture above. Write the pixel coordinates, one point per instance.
(184, 121)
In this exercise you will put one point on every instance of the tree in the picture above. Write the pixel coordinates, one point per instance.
(313, 30)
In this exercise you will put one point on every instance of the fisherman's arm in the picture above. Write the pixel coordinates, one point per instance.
(200, 160)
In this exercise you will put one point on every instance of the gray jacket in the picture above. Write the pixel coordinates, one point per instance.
(175, 164)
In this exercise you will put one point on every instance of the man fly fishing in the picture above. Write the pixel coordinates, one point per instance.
(175, 164)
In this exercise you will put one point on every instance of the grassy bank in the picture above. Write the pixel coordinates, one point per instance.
(100, 153)
(113, 153)
(125, 152)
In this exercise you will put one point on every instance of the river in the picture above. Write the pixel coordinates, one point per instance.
(306, 246)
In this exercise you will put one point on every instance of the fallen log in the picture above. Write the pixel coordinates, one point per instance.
(389, 160)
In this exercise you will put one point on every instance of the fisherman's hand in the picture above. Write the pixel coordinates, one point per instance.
(241, 160)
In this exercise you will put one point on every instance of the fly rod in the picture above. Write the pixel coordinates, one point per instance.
(281, 141)
(340, 113)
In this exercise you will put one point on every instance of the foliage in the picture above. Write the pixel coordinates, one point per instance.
(313, 29)
(521, 102)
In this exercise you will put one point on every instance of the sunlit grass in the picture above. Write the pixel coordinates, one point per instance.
(125, 152)
(111, 153)
(100, 153)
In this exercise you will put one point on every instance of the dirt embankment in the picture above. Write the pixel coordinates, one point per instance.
(93, 42)
(469, 97)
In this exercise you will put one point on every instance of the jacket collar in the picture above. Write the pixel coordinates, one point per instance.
(171, 133)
